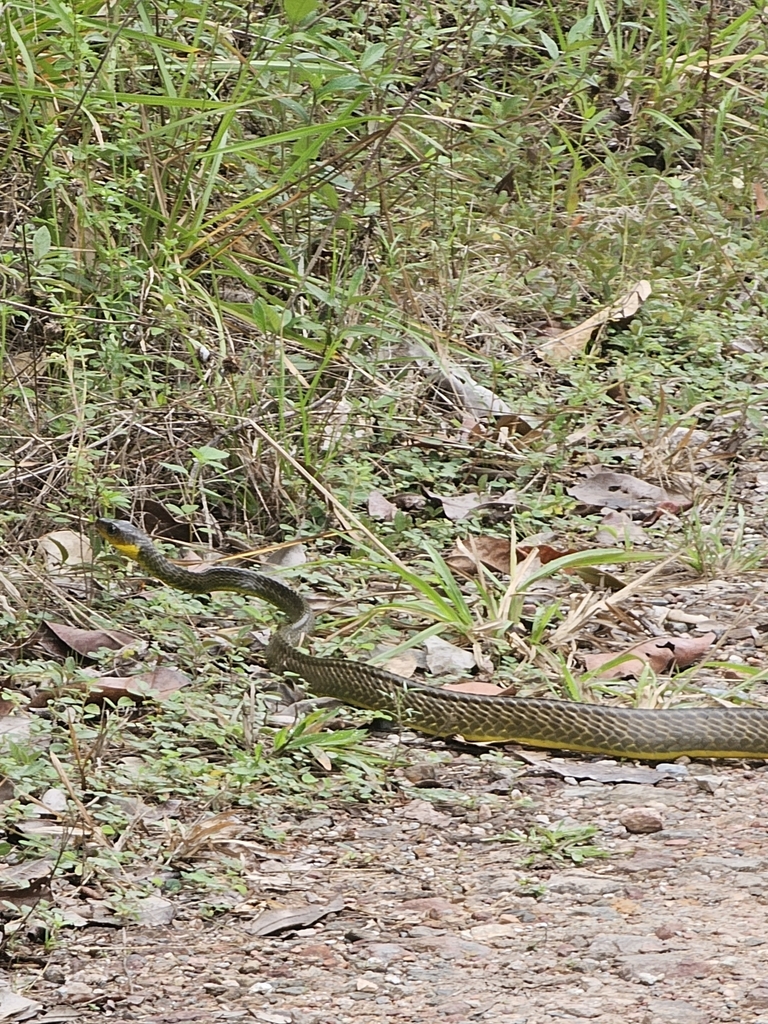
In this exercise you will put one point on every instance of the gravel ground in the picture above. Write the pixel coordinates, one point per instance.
(436, 920)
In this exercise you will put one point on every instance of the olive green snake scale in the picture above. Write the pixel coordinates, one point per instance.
(652, 734)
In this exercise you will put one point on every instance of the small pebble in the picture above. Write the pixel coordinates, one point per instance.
(641, 820)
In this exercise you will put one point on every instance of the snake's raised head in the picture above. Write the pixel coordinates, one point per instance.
(126, 538)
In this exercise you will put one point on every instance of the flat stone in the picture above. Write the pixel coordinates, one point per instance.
(432, 906)
(758, 997)
(449, 947)
(675, 1011)
(732, 863)
(658, 965)
(604, 946)
(640, 796)
(583, 883)
(488, 932)
(647, 860)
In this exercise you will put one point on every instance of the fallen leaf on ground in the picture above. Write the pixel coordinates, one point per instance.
(272, 921)
(158, 521)
(16, 1007)
(597, 771)
(14, 729)
(203, 834)
(459, 506)
(89, 641)
(661, 653)
(514, 424)
(287, 556)
(475, 686)
(381, 508)
(605, 489)
(404, 664)
(480, 401)
(672, 508)
(597, 578)
(63, 550)
(617, 528)
(19, 881)
(493, 552)
(158, 684)
(573, 341)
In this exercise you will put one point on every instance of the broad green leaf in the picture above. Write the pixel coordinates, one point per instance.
(207, 455)
(372, 56)
(41, 243)
(298, 10)
(550, 45)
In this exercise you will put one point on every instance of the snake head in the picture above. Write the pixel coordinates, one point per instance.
(122, 536)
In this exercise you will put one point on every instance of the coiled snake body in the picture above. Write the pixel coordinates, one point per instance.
(627, 732)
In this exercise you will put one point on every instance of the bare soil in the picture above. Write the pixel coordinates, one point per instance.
(441, 922)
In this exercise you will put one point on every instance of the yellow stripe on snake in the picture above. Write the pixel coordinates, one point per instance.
(657, 734)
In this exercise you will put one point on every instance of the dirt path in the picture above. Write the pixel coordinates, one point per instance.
(439, 922)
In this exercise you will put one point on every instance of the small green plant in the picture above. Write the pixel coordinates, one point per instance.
(311, 740)
(720, 546)
(557, 842)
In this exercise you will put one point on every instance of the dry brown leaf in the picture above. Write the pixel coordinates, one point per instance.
(202, 834)
(158, 684)
(475, 686)
(573, 341)
(661, 653)
(604, 488)
(493, 552)
(514, 424)
(761, 199)
(672, 508)
(89, 641)
(459, 506)
(62, 550)
(381, 508)
(598, 578)
(272, 921)
(545, 552)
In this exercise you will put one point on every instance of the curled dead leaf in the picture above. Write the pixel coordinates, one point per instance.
(604, 488)
(661, 653)
(573, 341)
(88, 641)
(62, 550)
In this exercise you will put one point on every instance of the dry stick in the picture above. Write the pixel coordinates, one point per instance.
(98, 835)
(587, 610)
(347, 518)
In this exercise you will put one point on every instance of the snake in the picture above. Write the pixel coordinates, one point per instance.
(651, 734)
